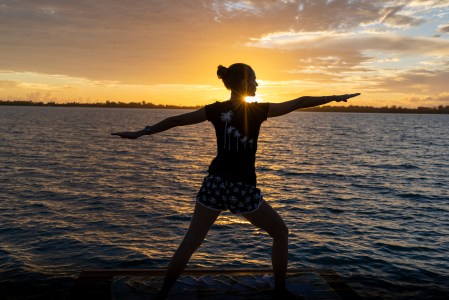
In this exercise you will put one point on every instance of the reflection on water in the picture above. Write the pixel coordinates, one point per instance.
(363, 194)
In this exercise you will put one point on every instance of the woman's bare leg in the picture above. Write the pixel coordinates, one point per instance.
(202, 220)
(266, 218)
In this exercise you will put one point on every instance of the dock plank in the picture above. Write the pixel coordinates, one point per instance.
(121, 283)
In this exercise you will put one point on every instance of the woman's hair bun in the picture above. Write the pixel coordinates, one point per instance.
(222, 72)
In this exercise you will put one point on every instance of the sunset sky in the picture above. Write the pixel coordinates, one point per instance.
(167, 52)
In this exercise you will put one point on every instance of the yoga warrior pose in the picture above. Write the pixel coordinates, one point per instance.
(231, 183)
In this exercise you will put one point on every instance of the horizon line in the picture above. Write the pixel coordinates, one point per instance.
(440, 109)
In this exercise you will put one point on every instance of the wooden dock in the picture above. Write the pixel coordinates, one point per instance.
(313, 284)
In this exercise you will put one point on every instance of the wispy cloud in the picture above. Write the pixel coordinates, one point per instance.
(45, 87)
(7, 84)
(444, 28)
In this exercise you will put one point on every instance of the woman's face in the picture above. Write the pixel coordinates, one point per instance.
(251, 84)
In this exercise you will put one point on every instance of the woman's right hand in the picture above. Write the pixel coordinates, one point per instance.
(344, 98)
(132, 135)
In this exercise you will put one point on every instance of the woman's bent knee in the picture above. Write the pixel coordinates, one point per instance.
(280, 233)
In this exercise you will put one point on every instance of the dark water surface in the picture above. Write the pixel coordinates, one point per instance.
(363, 194)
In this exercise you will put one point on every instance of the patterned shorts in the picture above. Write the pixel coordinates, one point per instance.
(217, 193)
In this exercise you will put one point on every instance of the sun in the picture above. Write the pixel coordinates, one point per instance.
(253, 99)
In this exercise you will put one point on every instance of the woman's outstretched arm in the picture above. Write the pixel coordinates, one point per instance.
(194, 117)
(279, 109)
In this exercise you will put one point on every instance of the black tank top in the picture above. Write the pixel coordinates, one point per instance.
(237, 128)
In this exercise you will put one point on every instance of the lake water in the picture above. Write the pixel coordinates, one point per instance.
(363, 194)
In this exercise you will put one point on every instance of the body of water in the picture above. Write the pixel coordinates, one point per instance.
(363, 194)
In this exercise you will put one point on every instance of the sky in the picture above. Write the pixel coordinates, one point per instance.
(167, 52)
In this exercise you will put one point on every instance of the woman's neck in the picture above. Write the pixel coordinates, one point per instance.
(237, 97)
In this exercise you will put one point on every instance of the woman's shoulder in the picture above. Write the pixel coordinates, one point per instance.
(216, 108)
(217, 104)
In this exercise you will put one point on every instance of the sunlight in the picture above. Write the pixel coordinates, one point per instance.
(253, 99)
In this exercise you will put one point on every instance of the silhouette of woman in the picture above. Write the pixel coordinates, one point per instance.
(231, 183)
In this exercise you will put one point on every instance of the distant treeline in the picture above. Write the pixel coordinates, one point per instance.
(357, 109)
(386, 109)
(111, 104)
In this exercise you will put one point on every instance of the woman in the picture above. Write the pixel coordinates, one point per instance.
(231, 183)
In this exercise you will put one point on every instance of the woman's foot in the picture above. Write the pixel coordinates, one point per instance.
(282, 294)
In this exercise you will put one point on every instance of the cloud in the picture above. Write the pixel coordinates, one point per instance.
(334, 57)
(7, 84)
(391, 16)
(441, 99)
(444, 28)
(416, 81)
(45, 87)
(382, 64)
(404, 45)
(98, 39)
(427, 4)
(359, 42)
(323, 15)
(160, 47)
(150, 41)
(371, 61)
(102, 19)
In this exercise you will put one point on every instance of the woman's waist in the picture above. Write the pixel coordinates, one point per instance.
(242, 170)
(246, 177)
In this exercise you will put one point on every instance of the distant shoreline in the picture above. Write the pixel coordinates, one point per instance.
(143, 105)
(107, 104)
